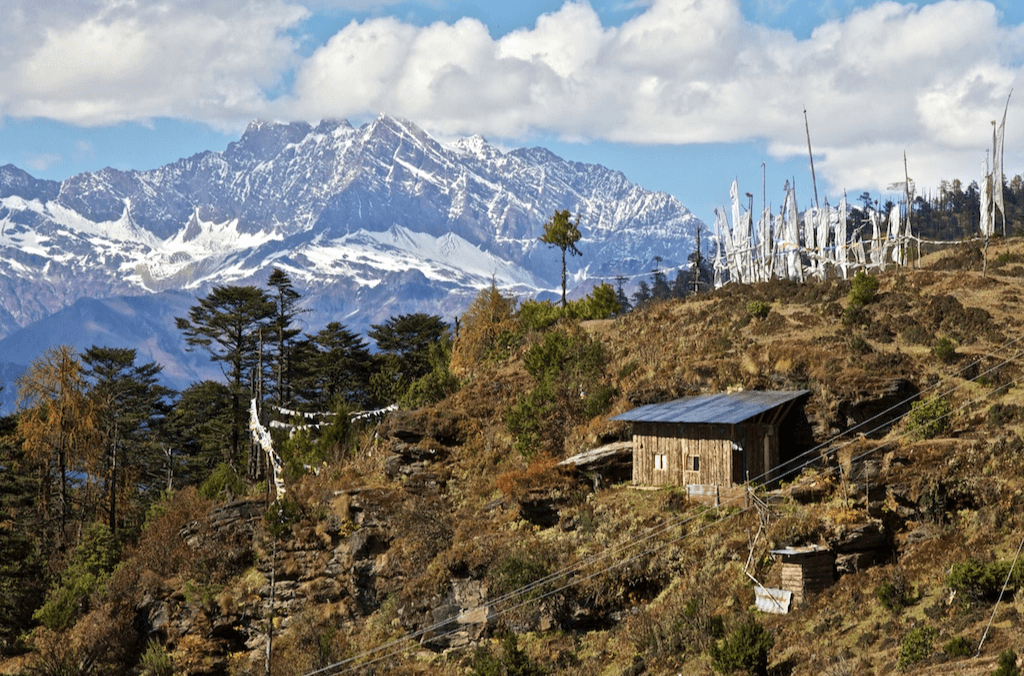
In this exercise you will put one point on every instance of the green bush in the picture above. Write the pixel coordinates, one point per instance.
(944, 350)
(570, 387)
(222, 479)
(958, 646)
(282, 515)
(437, 383)
(87, 573)
(513, 662)
(156, 661)
(1007, 664)
(517, 570)
(600, 303)
(864, 289)
(983, 582)
(758, 309)
(745, 649)
(928, 418)
(917, 645)
(896, 593)
(537, 315)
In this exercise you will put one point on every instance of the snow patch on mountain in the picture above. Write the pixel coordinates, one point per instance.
(377, 219)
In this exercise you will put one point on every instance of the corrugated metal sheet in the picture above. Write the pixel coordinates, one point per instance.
(777, 601)
(800, 551)
(726, 408)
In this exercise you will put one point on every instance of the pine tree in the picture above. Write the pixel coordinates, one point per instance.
(642, 294)
(129, 405)
(562, 233)
(22, 551)
(231, 323)
(340, 368)
(198, 432)
(660, 289)
(409, 337)
(620, 295)
(286, 310)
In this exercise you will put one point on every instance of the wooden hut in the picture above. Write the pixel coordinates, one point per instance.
(806, 570)
(711, 442)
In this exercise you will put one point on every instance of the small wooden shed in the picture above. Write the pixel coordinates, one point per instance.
(718, 440)
(806, 570)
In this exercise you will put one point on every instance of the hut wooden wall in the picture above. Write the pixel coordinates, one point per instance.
(680, 444)
(808, 574)
(720, 463)
(760, 444)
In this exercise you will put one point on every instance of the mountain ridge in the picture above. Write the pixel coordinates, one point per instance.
(369, 222)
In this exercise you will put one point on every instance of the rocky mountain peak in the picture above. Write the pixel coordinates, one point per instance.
(324, 202)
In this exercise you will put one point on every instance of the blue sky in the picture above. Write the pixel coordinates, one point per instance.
(680, 95)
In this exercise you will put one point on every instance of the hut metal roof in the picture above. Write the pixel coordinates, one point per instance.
(725, 408)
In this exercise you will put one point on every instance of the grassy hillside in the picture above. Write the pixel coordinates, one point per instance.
(451, 542)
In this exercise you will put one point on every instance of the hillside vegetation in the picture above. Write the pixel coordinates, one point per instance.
(447, 540)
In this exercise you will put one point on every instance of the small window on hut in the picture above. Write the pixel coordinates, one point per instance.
(659, 462)
(696, 463)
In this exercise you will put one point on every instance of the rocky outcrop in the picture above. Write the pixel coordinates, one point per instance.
(873, 411)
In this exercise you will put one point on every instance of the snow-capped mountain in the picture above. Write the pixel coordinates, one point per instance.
(369, 222)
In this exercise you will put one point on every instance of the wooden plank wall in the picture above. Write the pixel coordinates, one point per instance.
(719, 464)
(679, 444)
(808, 574)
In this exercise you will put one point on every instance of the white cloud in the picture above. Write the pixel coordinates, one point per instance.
(882, 79)
(109, 61)
(44, 161)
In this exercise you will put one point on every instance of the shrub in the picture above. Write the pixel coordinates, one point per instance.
(537, 315)
(1007, 665)
(222, 479)
(86, 574)
(282, 515)
(758, 309)
(513, 662)
(944, 350)
(156, 661)
(745, 649)
(984, 581)
(857, 344)
(600, 303)
(915, 334)
(958, 646)
(917, 645)
(516, 571)
(1001, 415)
(928, 418)
(568, 370)
(520, 578)
(489, 332)
(864, 289)
(431, 388)
(896, 593)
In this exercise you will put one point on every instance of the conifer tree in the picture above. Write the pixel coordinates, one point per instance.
(231, 323)
(405, 343)
(286, 310)
(129, 404)
(58, 426)
(562, 233)
(340, 368)
(488, 328)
